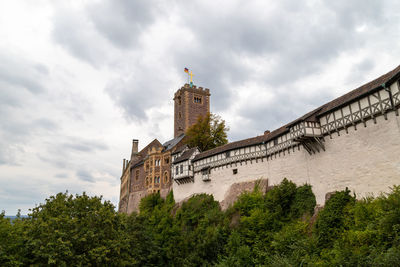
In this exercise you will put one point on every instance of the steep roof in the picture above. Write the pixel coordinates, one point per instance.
(369, 87)
(173, 142)
(143, 153)
(185, 155)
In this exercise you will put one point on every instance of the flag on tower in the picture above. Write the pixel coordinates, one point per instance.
(186, 70)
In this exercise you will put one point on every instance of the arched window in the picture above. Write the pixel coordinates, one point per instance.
(147, 181)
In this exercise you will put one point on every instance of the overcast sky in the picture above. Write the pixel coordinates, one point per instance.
(80, 79)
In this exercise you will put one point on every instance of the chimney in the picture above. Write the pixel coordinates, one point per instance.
(267, 132)
(135, 150)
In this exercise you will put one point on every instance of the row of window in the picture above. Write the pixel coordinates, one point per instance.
(157, 179)
(196, 99)
(179, 169)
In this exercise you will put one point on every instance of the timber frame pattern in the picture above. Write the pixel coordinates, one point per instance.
(376, 98)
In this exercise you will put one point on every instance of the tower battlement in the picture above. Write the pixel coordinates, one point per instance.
(189, 104)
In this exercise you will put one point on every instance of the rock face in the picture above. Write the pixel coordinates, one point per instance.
(238, 188)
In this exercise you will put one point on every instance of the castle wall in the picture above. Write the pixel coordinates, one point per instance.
(364, 160)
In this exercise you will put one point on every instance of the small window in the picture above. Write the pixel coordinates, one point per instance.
(190, 167)
(166, 177)
(181, 168)
(176, 170)
(197, 99)
(166, 160)
(235, 171)
(227, 154)
(179, 100)
(137, 175)
(275, 142)
(180, 115)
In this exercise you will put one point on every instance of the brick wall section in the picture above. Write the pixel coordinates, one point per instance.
(186, 109)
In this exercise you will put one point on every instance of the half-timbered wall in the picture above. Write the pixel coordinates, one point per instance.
(362, 152)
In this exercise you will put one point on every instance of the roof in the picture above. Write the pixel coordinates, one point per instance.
(173, 142)
(310, 116)
(180, 149)
(230, 146)
(361, 91)
(185, 155)
(143, 153)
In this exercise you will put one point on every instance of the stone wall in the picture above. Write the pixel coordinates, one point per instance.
(366, 160)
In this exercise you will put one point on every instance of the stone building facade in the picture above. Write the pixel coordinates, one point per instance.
(149, 170)
(189, 103)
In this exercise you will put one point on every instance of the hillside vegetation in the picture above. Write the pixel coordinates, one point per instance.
(273, 229)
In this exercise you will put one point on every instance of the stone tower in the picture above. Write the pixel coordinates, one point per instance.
(190, 102)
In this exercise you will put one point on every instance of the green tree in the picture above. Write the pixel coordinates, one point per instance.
(72, 231)
(208, 132)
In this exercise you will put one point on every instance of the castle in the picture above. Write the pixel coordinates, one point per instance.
(352, 141)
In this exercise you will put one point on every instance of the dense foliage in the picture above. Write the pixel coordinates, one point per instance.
(208, 132)
(277, 228)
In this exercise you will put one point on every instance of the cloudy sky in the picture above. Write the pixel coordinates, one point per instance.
(80, 79)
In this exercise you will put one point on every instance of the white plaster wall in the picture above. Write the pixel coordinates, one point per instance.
(366, 160)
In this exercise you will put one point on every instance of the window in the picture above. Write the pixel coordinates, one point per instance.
(179, 100)
(227, 154)
(165, 177)
(205, 171)
(147, 181)
(235, 171)
(197, 99)
(166, 160)
(181, 168)
(275, 142)
(190, 167)
(180, 115)
(137, 175)
(176, 170)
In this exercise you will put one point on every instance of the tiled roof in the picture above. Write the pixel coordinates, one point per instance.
(230, 146)
(180, 149)
(361, 91)
(185, 155)
(310, 116)
(173, 142)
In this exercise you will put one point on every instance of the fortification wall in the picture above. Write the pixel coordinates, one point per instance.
(364, 160)
(135, 197)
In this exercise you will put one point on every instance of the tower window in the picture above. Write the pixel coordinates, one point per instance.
(235, 171)
(180, 115)
(197, 99)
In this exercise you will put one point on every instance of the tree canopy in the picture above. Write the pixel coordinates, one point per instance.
(273, 228)
(208, 132)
